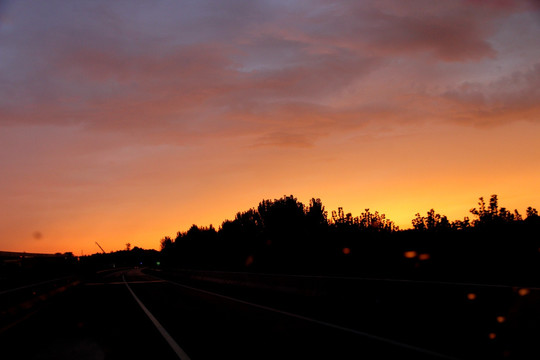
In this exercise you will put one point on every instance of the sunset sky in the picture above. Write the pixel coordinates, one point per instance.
(127, 121)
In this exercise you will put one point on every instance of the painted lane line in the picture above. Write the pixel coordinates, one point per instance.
(320, 322)
(176, 348)
(122, 282)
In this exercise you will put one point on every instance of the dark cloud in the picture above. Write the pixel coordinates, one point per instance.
(447, 30)
(174, 70)
(509, 98)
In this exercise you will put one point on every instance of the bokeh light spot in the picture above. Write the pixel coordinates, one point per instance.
(523, 291)
(409, 254)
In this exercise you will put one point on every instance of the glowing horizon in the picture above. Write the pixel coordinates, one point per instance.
(124, 122)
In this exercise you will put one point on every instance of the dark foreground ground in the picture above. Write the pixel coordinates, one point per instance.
(231, 316)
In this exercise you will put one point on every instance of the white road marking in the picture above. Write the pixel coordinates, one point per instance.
(123, 282)
(320, 322)
(176, 348)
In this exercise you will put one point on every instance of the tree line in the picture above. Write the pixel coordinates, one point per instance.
(284, 235)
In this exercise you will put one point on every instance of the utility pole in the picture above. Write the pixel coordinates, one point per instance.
(100, 247)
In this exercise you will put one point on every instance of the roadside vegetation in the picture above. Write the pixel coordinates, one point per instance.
(493, 245)
(286, 236)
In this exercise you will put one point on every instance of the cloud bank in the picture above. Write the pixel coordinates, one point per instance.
(272, 69)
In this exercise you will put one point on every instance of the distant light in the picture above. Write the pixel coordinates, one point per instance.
(523, 291)
(501, 319)
(424, 256)
(158, 263)
(409, 254)
(492, 336)
(249, 260)
(140, 263)
(471, 296)
(346, 251)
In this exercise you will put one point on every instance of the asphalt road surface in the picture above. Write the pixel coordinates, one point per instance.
(131, 314)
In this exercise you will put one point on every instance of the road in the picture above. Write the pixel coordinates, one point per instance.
(131, 314)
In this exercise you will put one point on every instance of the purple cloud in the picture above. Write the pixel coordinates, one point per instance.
(172, 70)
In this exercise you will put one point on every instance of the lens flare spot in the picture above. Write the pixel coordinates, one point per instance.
(424, 256)
(471, 296)
(501, 319)
(346, 251)
(410, 254)
(492, 336)
(523, 291)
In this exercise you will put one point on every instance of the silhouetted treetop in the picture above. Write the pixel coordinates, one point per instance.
(286, 235)
(492, 215)
(431, 222)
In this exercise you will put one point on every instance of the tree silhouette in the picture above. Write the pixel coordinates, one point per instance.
(284, 235)
(433, 222)
(531, 213)
(166, 243)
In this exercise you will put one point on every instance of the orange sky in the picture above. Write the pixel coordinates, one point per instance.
(127, 123)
